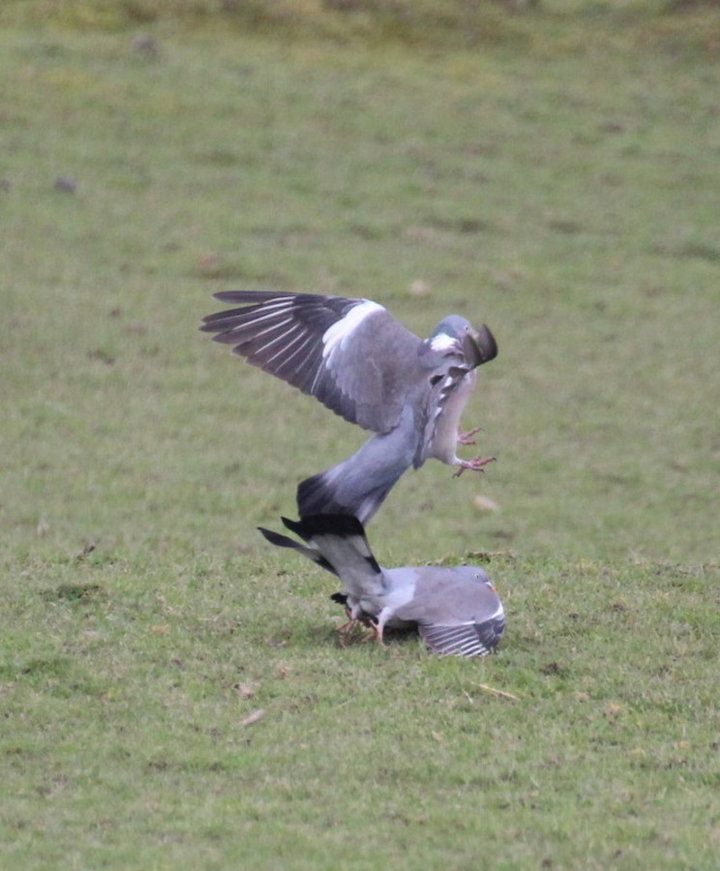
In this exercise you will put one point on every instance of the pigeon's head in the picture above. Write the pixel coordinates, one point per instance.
(455, 334)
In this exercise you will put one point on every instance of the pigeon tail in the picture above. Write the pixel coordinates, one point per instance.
(359, 484)
(324, 493)
(337, 542)
(340, 539)
(283, 541)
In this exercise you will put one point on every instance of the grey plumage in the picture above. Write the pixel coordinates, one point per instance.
(455, 609)
(365, 366)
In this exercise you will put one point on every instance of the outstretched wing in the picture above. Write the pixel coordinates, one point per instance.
(351, 354)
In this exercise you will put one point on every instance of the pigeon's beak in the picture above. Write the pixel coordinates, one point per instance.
(479, 346)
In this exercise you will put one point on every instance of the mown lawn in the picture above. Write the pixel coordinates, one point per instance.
(172, 691)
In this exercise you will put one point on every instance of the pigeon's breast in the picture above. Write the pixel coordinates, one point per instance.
(443, 441)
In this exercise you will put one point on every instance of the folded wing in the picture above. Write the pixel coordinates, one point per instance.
(473, 638)
(457, 610)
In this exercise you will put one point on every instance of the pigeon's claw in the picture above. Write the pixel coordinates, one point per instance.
(345, 631)
(476, 465)
(375, 634)
(466, 438)
(347, 627)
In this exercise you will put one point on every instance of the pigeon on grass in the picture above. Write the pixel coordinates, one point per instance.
(365, 366)
(455, 609)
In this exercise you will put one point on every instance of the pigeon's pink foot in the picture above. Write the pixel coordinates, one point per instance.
(349, 624)
(476, 465)
(375, 634)
(347, 627)
(466, 438)
(345, 633)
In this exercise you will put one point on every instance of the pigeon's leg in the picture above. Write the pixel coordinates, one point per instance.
(377, 626)
(466, 438)
(350, 618)
(375, 634)
(347, 627)
(353, 618)
(345, 632)
(477, 465)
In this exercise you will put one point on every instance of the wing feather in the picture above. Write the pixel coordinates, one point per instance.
(463, 639)
(351, 354)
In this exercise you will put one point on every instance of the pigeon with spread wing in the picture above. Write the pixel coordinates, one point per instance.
(365, 366)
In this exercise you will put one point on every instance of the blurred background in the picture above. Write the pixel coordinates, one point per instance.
(548, 168)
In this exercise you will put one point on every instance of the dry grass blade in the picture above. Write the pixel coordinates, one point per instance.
(496, 692)
(253, 718)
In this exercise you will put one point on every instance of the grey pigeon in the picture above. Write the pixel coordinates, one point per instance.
(455, 609)
(364, 365)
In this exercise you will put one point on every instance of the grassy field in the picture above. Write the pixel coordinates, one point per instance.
(171, 689)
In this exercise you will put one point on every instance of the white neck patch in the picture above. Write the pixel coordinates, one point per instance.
(443, 342)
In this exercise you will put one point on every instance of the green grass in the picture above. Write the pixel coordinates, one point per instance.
(559, 183)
